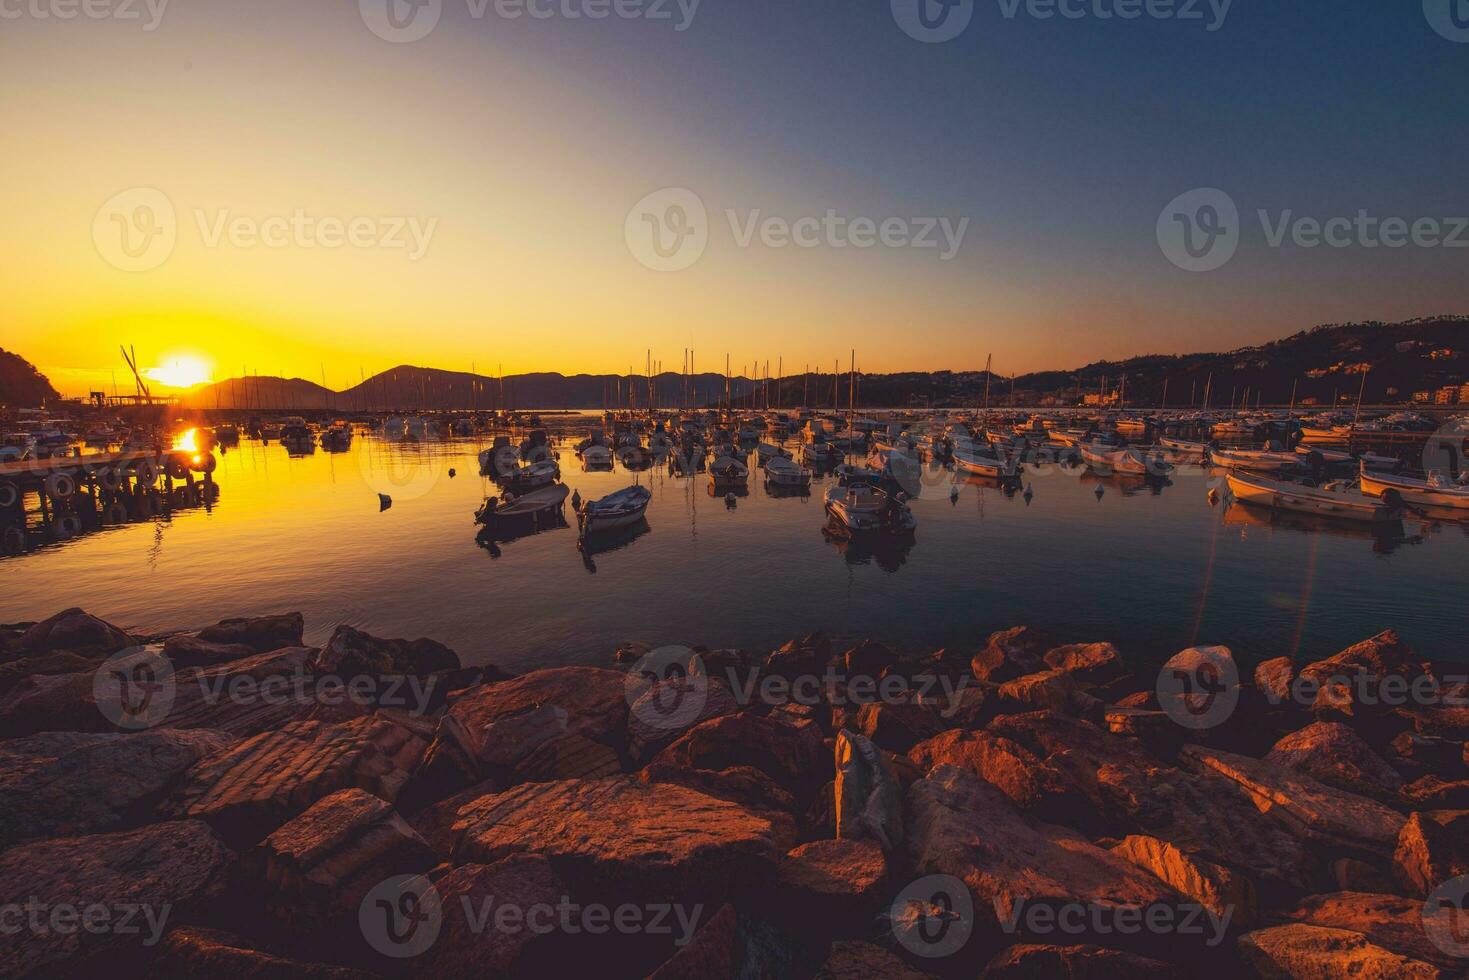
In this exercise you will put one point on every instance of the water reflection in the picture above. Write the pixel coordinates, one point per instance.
(889, 551)
(1384, 538)
(606, 542)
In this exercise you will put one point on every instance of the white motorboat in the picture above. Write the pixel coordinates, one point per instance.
(782, 472)
(1184, 450)
(863, 508)
(975, 462)
(727, 471)
(596, 457)
(1319, 501)
(620, 509)
(1434, 490)
(1258, 460)
(819, 453)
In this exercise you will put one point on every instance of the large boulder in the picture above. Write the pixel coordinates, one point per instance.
(1341, 822)
(594, 701)
(1128, 791)
(627, 839)
(868, 802)
(1365, 682)
(964, 827)
(74, 630)
(261, 633)
(190, 951)
(1337, 756)
(806, 657)
(898, 726)
(524, 881)
(664, 710)
(256, 693)
(184, 650)
(831, 887)
(353, 653)
(1031, 961)
(142, 881)
(1030, 782)
(1430, 853)
(1215, 887)
(1049, 690)
(1273, 678)
(318, 867)
(67, 784)
(792, 755)
(1303, 952)
(249, 790)
(1012, 653)
(1089, 663)
(1389, 921)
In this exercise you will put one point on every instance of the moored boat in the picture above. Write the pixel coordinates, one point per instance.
(616, 510)
(526, 505)
(1433, 490)
(978, 463)
(1322, 502)
(782, 472)
(727, 471)
(867, 509)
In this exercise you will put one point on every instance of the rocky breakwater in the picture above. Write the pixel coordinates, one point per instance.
(231, 801)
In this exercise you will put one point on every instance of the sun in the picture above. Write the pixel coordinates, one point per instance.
(180, 372)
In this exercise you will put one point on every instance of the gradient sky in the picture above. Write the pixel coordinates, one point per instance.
(529, 141)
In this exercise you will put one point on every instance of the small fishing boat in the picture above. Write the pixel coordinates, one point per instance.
(500, 459)
(1319, 501)
(617, 510)
(1127, 460)
(337, 438)
(864, 508)
(979, 463)
(782, 472)
(1184, 450)
(1334, 457)
(597, 457)
(819, 454)
(526, 505)
(727, 471)
(1434, 490)
(1257, 460)
(534, 476)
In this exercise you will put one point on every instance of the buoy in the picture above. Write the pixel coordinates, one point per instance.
(451, 473)
(383, 502)
(954, 492)
(59, 486)
(1100, 491)
(729, 499)
(576, 500)
(9, 495)
(1030, 489)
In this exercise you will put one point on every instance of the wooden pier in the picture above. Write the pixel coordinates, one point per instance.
(78, 493)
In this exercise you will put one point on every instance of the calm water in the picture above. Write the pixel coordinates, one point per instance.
(1150, 571)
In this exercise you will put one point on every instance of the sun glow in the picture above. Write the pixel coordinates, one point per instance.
(180, 372)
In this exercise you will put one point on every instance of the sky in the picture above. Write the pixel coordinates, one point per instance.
(295, 188)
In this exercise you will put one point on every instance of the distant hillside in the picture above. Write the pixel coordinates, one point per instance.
(1321, 364)
(21, 385)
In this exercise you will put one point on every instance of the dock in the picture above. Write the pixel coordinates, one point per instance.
(79, 493)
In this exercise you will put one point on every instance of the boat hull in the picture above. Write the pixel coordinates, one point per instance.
(1278, 495)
